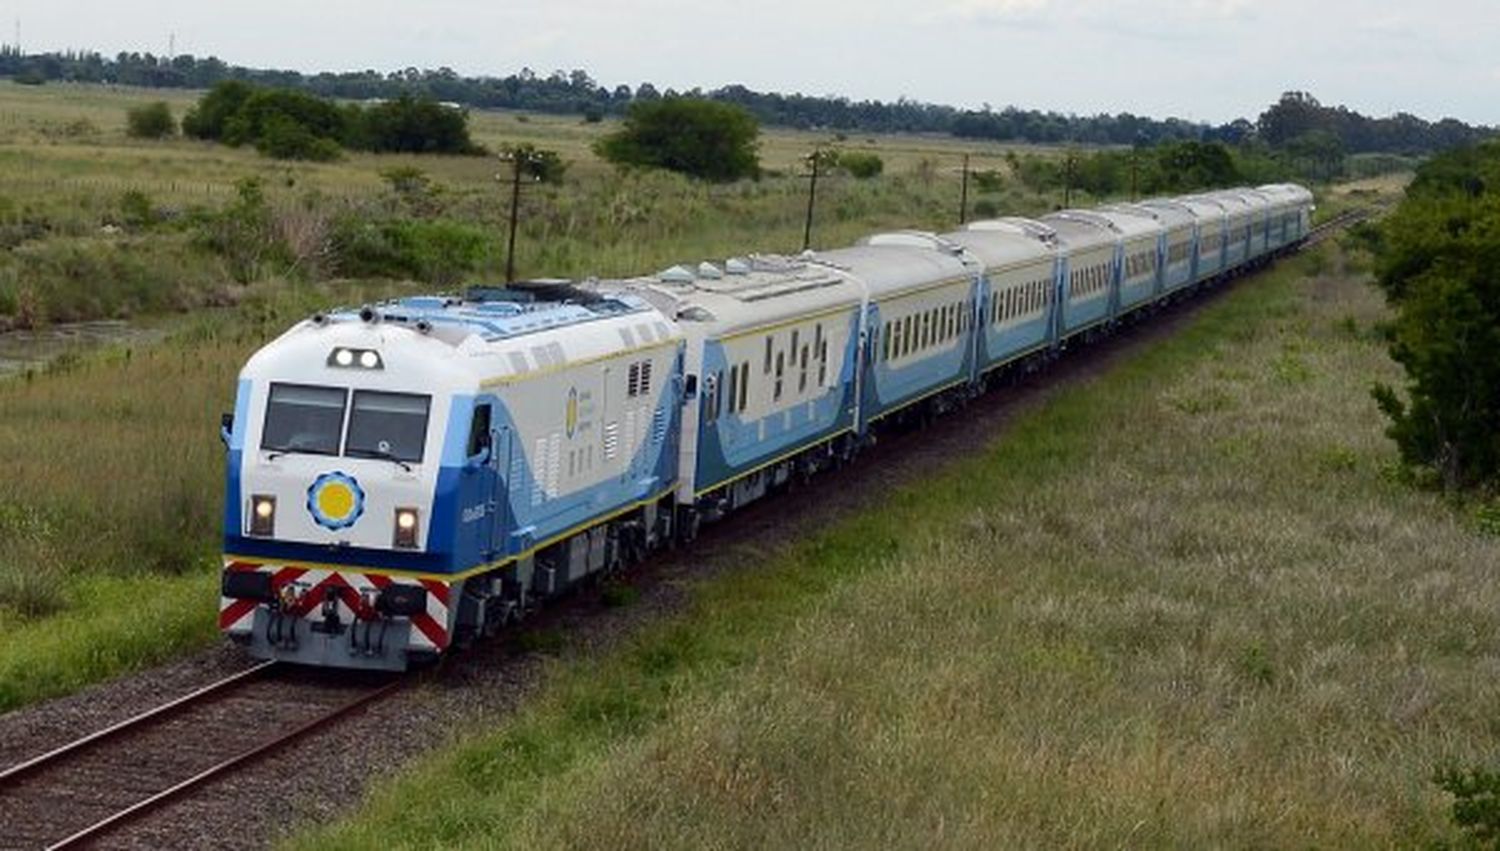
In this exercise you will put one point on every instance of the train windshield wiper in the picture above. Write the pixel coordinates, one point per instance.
(382, 454)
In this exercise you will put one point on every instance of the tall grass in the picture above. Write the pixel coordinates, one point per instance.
(1181, 605)
(76, 185)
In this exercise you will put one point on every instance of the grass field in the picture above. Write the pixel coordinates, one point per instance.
(1184, 604)
(68, 165)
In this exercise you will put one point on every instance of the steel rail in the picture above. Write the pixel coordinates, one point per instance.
(161, 712)
(144, 806)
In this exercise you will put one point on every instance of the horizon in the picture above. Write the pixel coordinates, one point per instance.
(1215, 93)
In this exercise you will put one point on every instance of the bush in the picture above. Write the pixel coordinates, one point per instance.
(136, 210)
(700, 138)
(437, 252)
(1476, 802)
(861, 164)
(284, 138)
(150, 121)
(1436, 261)
(207, 119)
(409, 125)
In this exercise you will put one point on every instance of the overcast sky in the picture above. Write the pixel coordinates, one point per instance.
(1211, 60)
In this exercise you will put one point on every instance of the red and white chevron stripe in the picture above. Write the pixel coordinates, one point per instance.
(304, 590)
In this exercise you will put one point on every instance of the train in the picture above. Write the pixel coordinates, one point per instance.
(408, 477)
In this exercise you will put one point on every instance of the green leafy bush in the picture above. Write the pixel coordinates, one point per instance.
(861, 164)
(1436, 259)
(700, 138)
(150, 121)
(437, 252)
(1476, 802)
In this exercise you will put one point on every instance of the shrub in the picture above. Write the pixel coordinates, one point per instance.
(207, 119)
(986, 209)
(861, 164)
(136, 209)
(150, 121)
(1437, 256)
(1476, 802)
(414, 126)
(284, 138)
(437, 252)
(704, 139)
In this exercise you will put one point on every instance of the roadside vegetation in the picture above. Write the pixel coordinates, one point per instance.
(1185, 603)
(1438, 254)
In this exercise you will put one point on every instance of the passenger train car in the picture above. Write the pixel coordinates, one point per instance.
(408, 476)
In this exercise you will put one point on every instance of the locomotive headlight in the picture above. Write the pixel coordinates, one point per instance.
(405, 536)
(262, 515)
(355, 359)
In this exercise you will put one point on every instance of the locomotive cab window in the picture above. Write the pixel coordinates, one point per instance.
(387, 425)
(479, 430)
(304, 418)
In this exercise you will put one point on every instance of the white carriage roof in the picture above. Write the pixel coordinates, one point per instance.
(743, 293)
(999, 245)
(891, 266)
(1168, 213)
(1081, 229)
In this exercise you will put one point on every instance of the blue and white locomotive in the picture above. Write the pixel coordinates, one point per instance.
(418, 473)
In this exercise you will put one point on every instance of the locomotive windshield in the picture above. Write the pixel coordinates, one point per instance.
(301, 418)
(387, 425)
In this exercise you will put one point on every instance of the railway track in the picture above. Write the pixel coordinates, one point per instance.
(1343, 220)
(78, 793)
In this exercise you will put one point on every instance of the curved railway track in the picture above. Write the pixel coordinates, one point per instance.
(79, 792)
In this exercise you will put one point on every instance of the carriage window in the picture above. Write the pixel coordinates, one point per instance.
(479, 430)
(744, 384)
(780, 371)
(387, 425)
(302, 418)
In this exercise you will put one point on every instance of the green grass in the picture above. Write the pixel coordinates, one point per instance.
(68, 166)
(1134, 619)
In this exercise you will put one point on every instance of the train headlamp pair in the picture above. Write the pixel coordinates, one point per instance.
(263, 522)
(355, 359)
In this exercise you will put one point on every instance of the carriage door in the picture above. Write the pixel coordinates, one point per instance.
(482, 461)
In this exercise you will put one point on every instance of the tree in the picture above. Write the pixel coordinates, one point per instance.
(700, 138)
(150, 121)
(1436, 256)
(206, 119)
(416, 126)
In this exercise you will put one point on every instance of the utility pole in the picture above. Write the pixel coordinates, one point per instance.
(963, 194)
(1135, 171)
(519, 159)
(816, 159)
(1068, 180)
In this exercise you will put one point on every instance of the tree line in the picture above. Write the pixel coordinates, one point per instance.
(1290, 120)
(291, 124)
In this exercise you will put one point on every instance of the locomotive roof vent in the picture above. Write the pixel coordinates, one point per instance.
(737, 266)
(709, 271)
(676, 275)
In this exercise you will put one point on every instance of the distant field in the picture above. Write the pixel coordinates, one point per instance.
(68, 164)
(1184, 604)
